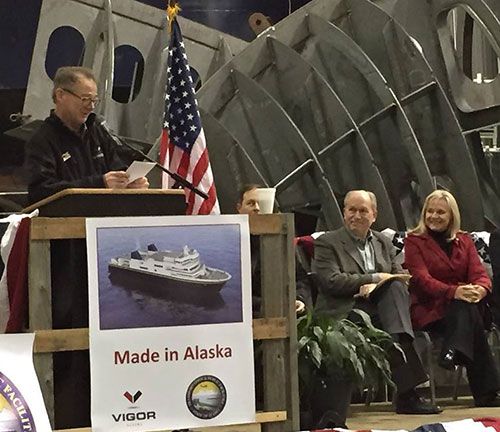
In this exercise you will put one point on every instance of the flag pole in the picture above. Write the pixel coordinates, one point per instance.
(183, 145)
(172, 11)
(179, 179)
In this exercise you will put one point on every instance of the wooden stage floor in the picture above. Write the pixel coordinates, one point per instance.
(382, 416)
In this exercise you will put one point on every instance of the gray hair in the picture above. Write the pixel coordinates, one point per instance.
(68, 76)
(371, 195)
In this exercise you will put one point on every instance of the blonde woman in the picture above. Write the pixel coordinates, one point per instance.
(447, 287)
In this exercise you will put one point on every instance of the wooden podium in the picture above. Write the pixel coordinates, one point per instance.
(58, 283)
(111, 202)
(62, 217)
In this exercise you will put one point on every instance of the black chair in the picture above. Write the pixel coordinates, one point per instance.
(494, 342)
(304, 253)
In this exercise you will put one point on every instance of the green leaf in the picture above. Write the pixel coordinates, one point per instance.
(397, 347)
(316, 353)
(319, 333)
(338, 347)
(331, 347)
(365, 318)
(302, 326)
(303, 341)
(357, 366)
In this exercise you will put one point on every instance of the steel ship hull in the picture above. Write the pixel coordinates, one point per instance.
(124, 275)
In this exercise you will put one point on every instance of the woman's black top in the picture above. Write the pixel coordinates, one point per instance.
(441, 239)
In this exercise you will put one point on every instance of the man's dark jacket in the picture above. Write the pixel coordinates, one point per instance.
(339, 266)
(58, 158)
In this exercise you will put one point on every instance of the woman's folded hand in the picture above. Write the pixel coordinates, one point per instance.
(470, 293)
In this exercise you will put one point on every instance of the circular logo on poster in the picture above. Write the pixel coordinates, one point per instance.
(15, 415)
(206, 397)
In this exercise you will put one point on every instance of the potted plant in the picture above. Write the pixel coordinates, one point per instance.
(334, 356)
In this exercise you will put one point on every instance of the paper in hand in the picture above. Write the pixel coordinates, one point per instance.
(139, 169)
(403, 277)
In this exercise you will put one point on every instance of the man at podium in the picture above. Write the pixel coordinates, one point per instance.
(72, 149)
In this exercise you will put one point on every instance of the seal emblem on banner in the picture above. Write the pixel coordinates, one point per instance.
(206, 397)
(15, 415)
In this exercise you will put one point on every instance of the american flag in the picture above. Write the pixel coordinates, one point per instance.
(14, 248)
(183, 147)
(486, 424)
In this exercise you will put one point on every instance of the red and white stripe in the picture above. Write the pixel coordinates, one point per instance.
(486, 424)
(195, 168)
(14, 248)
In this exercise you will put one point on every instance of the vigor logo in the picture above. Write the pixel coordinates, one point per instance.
(134, 415)
(135, 398)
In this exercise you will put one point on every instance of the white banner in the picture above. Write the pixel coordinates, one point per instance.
(170, 322)
(21, 404)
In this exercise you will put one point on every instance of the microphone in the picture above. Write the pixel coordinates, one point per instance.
(101, 121)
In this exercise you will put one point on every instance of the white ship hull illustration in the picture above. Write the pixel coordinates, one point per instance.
(177, 270)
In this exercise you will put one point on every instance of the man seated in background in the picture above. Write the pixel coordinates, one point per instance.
(248, 203)
(71, 149)
(349, 262)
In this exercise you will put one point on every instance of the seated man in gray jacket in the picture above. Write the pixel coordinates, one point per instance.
(349, 262)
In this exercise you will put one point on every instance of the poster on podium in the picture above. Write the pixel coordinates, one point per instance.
(170, 322)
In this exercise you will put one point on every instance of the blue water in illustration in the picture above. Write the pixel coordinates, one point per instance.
(136, 305)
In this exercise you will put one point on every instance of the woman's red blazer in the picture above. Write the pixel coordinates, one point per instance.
(435, 276)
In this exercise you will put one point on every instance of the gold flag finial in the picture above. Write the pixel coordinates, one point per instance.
(172, 10)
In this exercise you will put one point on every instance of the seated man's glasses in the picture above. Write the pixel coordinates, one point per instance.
(86, 100)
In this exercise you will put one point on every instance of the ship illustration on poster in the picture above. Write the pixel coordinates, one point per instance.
(15, 415)
(171, 269)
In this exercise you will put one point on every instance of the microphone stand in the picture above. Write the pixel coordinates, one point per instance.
(181, 180)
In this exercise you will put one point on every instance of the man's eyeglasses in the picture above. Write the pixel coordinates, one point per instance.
(86, 100)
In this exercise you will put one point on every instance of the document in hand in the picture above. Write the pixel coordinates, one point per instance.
(139, 169)
(402, 277)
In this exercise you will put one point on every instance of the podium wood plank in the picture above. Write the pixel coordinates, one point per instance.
(270, 416)
(270, 328)
(40, 314)
(58, 228)
(44, 366)
(251, 427)
(39, 283)
(50, 341)
(291, 349)
(43, 228)
(266, 224)
(61, 340)
(260, 417)
(273, 293)
(111, 202)
(280, 355)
